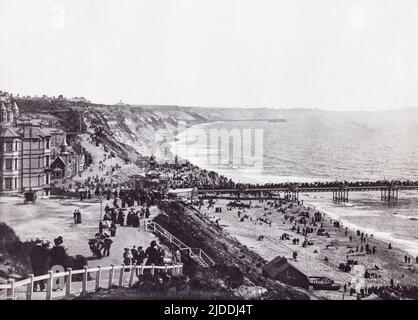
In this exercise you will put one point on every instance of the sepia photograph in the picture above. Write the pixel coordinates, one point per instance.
(206, 150)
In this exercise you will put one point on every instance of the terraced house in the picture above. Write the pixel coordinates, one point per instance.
(27, 152)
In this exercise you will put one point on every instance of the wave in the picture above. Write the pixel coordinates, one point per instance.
(406, 217)
(409, 246)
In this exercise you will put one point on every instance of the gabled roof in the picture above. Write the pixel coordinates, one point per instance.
(57, 159)
(277, 266)
(8, 133)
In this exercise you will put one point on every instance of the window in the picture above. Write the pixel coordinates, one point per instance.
(8, 146)
(8, 183)
(15, 163)
(39, 161)
(16, 145)
(47, 161)
(47, 179)
(15, 183)
(47, 143)
(9, 164)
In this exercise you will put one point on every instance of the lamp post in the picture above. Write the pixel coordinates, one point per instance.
(101, 206)
(101, 212)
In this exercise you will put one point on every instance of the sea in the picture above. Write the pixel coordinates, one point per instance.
(316, 145)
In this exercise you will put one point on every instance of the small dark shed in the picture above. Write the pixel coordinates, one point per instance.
(280, 269)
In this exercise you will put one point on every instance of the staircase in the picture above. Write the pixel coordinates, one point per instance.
(196, 254)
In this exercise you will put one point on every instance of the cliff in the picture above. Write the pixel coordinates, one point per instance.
(131, 130)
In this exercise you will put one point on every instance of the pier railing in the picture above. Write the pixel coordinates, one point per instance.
(389, 192)
(67, 276)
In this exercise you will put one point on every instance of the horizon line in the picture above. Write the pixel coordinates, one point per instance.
(278, 108)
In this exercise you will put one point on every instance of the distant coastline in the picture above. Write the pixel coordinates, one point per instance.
(252, 120)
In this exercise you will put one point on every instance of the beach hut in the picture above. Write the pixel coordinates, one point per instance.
(282, 270)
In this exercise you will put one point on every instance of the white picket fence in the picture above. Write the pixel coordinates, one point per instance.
(52, 277)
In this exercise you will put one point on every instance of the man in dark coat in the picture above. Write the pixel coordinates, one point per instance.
(141, 256)
(112, 230)
(134, 253)
(135, 220)
(107, 243)
(129, 219)
(121, 218)
(39, 261)
(152, 253)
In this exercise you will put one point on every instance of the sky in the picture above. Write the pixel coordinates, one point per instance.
(330, 54)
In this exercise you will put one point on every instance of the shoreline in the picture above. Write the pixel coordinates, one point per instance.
(381, 235)
(390, 238)
(324, 256)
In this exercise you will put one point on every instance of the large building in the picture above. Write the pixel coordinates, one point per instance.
(27, 151)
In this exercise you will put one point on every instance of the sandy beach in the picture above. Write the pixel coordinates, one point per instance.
(323, 256)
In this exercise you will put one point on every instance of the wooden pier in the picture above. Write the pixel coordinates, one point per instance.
(388, 192)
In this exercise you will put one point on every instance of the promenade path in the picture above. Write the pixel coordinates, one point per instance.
(50, 218)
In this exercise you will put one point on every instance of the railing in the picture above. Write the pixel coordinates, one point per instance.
(29, 283)
(201, 254)
(171, 238)
(195, 253)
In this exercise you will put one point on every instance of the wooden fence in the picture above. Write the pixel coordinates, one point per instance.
(52, 277)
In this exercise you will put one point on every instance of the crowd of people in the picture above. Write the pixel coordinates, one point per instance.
(153, 255)
(393, 292)
(116, 215)
(224, 183)
(100, 245)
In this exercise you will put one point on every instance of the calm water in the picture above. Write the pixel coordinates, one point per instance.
(314, 146)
